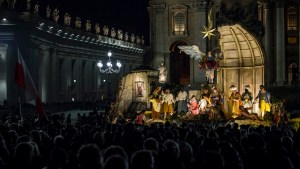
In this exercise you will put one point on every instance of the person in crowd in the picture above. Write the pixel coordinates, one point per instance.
(89, 157)
(140, 118)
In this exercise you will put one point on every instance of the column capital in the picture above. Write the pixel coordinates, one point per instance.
(280, 3)
(267, 4)
(159, 8)
(200, 6)
(43, 47)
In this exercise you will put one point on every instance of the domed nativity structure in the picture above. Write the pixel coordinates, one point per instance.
(243, 61)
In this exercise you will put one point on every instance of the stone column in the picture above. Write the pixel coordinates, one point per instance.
(79, 86)
(3, 71)
(159, 34)
(43, 74)
(167, 64)
(200, 15)
(268, 43)
(280, 43)
(299, 47)
(54, 76)
(66, 79)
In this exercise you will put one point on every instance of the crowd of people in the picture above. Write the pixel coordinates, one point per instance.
(93, 143)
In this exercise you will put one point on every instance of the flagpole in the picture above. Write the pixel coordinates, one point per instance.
(20, 109)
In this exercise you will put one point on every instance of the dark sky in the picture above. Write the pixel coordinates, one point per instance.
(128, 15)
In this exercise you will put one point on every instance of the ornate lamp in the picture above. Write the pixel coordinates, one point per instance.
(109, 69)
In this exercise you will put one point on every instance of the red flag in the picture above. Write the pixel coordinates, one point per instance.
(19, 74)
(24, 81)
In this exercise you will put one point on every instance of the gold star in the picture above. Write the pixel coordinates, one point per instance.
(208, 32)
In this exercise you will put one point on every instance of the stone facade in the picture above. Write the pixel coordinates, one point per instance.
(174, 21)
(62, 61)
(274, 24)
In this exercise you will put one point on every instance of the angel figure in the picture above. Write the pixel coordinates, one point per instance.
(193, 51)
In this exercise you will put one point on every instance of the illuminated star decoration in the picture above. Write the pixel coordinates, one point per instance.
(208, 32)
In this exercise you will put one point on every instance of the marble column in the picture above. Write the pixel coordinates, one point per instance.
(43, 74)
(201, 19)
(54, 76)
(299, 46)
(66, 80)
(280, 43)
(79, 86)
(159, 34)
(3, 71)
(167, 64)
(268, 43)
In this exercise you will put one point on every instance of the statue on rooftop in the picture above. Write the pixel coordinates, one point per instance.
(97, 28)
(36, 8)
(132, 38)
(126, 36)
(120, 34)
(48, 12)
(113, 33)
(142, 40)
(67, 19)
(88, 26)
(138, 40)
(55, 15)
(105, 30)
(11, 4)
(28, 5)
(78, 23)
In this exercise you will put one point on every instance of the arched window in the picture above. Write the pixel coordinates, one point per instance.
(292, 23)
(292, 73)
(179, 23)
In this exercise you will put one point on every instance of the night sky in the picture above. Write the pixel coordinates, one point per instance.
(129, 15)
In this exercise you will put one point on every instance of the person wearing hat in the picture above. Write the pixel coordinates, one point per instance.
(247, 98)
(235, 97)
(264, 98)
(156, 100)
(237, 108)
(168, 101)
